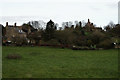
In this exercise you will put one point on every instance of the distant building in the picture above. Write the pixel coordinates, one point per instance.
(119, 12)
(90, 27)
(13, 31)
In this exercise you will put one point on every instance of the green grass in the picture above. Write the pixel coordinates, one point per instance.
(45, 62)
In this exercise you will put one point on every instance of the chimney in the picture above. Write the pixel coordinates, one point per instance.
(80, 23)
(91, 24)
(15, 24)
(88, 20)
(7, 24)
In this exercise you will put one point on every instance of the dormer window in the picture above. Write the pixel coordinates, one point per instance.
(20, 31)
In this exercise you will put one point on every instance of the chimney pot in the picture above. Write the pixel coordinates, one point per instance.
(6, 23)
(15, 24)
(88, 20)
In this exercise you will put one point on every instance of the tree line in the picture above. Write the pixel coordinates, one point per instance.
(75, 35)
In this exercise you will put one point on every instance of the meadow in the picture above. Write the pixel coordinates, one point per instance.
(48, 62)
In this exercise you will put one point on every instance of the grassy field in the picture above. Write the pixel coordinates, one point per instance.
(45, 62)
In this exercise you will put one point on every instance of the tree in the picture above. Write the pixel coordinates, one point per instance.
(65, 37)
(96, 37)
(78, 25)
(83, 23)
(49, 31)
(28, 28)
(115, 31)
(38, 24)
(19, 41)
(36, 36)
(109, 26)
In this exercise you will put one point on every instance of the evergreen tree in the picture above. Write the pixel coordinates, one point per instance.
(50, 30)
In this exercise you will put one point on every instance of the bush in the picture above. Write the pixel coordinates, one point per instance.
(65, 37)
(20, 41)
(53, 42)
(106, 44)
(13, 56)
(42, 42)
(80, 41)
(96, 37)
(50, 42)
(89, 43)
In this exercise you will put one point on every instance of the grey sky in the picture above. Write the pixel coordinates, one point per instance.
(100, 12)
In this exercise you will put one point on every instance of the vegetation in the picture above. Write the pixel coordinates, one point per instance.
(46, 62)
(86, 35)
(83, 36)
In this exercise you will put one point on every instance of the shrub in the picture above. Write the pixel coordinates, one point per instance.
(65, 37)
(19, 41)
(89, 43)
(53, 42)
(50, 42)
(80, 41)
(42, 42)
(106, 44)
(13, 56)
(96, 37)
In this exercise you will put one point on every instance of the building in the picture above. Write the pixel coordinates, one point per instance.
(90, 27)
(119, 12)
(13, 31)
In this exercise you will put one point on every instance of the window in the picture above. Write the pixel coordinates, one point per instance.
(20, 31)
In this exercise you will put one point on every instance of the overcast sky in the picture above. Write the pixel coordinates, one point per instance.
(100, 12)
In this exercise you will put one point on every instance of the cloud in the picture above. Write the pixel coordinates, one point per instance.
(100, 11)
(112, 5)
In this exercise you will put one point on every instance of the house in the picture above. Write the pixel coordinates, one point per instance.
(13, 31)
(90, 27)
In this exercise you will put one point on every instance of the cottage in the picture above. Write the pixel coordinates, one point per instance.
(13, 31)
